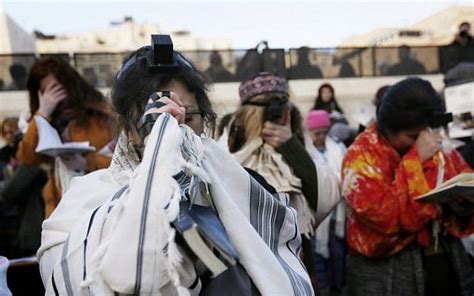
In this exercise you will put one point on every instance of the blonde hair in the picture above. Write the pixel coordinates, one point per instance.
(248, 122)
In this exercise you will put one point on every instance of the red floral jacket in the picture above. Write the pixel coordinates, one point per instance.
(380, 186)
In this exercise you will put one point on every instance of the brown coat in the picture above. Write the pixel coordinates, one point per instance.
(96, 130)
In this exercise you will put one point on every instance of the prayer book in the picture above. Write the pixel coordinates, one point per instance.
(460, 187)
(205, 235)
(50, 143)
(32, 260)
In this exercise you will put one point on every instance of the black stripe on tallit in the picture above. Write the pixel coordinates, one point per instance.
(263, 204)
(91, 221)
(55, 288)
(141, 237)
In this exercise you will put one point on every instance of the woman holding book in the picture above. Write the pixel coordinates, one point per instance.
(76, 110)
(398, 245)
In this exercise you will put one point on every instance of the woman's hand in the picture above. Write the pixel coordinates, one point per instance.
(276, 134)
(427, 144)
(172, 105)
(50, 98)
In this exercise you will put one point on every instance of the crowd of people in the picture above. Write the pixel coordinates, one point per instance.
(287, 204)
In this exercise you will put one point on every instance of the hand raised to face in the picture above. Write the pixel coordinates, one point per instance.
(51, 93)
(428, 143)
(276, 134)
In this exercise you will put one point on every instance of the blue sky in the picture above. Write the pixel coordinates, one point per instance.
(283, 23)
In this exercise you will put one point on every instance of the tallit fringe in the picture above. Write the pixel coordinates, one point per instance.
(172, 211)
(306, 220)
(172, 254)
(192, 169)
(174, 263)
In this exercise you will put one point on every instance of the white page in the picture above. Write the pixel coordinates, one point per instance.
(460, 98)
(49, 142)
(48, 135)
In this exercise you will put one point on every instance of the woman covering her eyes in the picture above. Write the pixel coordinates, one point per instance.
(118, 230)
(76, 110)
(399, 245)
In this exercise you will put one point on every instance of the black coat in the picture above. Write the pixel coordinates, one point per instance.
(24, 191)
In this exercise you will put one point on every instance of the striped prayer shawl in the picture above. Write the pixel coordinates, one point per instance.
(263, 208)
(111, 233)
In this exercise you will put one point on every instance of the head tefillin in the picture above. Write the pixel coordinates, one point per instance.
(162, 58)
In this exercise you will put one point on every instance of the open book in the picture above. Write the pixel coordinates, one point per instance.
(205, 235)
(50, 143)
(460, 187)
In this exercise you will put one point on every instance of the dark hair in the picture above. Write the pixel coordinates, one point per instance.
(297, 123)
(17, 71)
(223, 123)
(134, 84)
(303, 54)
(379, 95)
(408, 104)
(83, 98)
(330, 106)
(464, 24)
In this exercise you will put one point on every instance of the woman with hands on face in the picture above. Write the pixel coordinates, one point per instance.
(273, 145)
(277, 134)
(254, 136)
(76, 110)
(51, 93)
(163, 158)
(393, 237)
(281, 137)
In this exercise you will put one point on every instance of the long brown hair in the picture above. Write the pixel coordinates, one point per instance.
(82, 98)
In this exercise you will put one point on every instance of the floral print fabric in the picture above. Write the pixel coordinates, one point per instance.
(380, 187)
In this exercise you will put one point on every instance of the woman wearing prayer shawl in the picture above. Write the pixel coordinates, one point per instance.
(399, 246)
(266, 136)
(111, 233)
(330, 246)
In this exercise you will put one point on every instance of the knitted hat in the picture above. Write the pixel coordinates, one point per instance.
(317, 119)
(261, 83)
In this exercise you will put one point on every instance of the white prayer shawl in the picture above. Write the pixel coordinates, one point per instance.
(333, 156)
(111, 232)
(328, 182)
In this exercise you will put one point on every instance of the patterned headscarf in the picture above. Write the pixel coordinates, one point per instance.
(261, 83)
